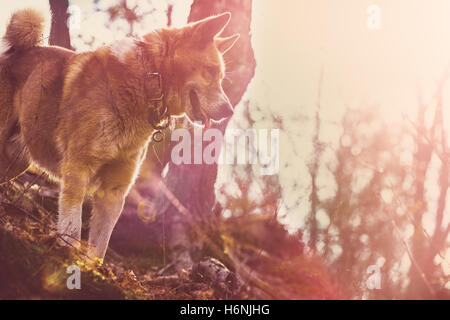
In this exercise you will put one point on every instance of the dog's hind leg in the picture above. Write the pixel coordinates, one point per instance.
(13, 160)
(74, 180)
(13, 154)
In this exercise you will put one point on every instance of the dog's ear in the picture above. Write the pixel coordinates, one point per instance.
(205, 30)
(225, 44)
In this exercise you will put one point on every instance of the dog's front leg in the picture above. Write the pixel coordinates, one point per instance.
(116, 177)
(107, 209)
(73, 188)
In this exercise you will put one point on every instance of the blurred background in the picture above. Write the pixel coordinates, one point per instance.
(360, 92)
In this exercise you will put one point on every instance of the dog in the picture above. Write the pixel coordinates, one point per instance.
(85, 119)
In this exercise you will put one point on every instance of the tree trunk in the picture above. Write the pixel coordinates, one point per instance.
(59, 33)
(193, 185)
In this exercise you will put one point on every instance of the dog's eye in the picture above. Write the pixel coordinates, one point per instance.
(212, 71)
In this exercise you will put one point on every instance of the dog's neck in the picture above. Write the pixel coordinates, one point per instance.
(145, 59)
(153, 84)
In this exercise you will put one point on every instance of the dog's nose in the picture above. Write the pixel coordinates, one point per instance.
(224, 110)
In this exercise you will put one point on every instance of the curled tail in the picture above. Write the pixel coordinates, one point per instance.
(24, 30)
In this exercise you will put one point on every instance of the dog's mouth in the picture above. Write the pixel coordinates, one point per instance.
(197, 112)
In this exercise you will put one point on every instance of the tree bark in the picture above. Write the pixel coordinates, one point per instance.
(59, 33)
(193, 185)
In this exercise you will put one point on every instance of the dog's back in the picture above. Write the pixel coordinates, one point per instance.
(23, 33)
(20, 50)
(27, 69)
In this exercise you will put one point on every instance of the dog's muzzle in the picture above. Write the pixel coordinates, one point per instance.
(198, 114)
(225, 110)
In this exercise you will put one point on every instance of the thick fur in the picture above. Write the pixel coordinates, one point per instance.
(83, 118)
(25, 29)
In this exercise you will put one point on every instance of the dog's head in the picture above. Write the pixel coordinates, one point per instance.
(195, 67)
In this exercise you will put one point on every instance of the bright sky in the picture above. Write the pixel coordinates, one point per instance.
(295, 39)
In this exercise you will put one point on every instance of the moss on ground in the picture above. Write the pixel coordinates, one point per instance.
(33, 264)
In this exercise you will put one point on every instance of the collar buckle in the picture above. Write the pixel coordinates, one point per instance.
(150, 76)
